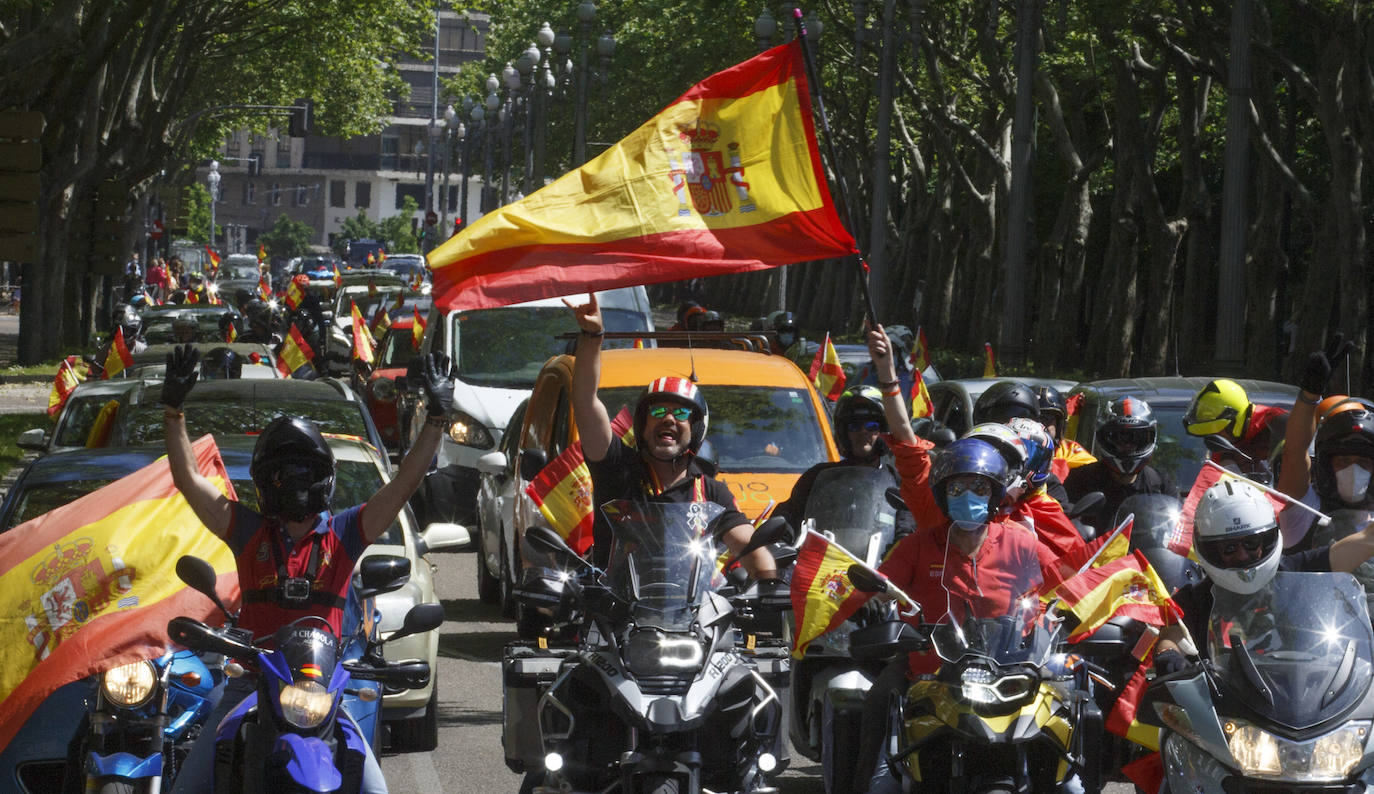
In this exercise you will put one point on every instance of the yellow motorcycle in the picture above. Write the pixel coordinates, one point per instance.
(1007, 710)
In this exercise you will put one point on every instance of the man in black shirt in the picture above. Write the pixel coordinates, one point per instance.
(669, 426)
(1237, 540)
(1125, 440)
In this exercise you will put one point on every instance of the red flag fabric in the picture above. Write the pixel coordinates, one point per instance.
(826, 372)
(91, 585)
(563, 489)
(1126, 587)
(726, 179)
(822, 595)
(1146, 772)
(214, 257)
(1181, 542)
(989, 361)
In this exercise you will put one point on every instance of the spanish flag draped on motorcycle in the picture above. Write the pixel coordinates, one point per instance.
(726, 179)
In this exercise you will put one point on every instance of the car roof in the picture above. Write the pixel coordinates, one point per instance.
(976, 386)
(712, 366)
(1170, 389)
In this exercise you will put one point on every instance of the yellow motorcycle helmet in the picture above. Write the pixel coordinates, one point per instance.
(1222, 405)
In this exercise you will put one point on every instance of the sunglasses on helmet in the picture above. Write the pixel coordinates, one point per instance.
(867, 425)
(679, 412)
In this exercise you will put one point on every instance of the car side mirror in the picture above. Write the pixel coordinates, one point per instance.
(493, 463)
(440, 535)
(35, 439)
(382, 573)
(532, 461)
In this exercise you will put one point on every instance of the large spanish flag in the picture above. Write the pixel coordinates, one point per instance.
(822, 595)
(563, 488)
(726, 179)
(92, 584)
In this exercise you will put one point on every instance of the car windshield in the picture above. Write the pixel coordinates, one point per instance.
(354, 483)
(157, 329)
(241, 272)
(246, 416)
(398, 348)
(752, 428)
(506, 347)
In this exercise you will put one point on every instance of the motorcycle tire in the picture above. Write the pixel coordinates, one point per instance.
(488, 586)
(843, 754)
(418, 734)
(118, 787)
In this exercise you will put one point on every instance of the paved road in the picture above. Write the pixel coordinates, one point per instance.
(469, 758)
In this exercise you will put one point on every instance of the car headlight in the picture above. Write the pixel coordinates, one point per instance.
(384, 389)
(469, 432)
(651, 652)
(305, 704)
(129, 685)
(1329, 757)
(982, 686)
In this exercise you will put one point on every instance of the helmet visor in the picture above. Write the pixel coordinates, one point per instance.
(1239, 552)
(1128, 441)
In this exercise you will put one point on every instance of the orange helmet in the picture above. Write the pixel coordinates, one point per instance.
(1337, 403)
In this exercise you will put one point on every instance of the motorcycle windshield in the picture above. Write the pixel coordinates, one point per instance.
(1343, 523)
(849, 506)
(1158, 526)
(1298, 650)
(663, 556)
(992, 582)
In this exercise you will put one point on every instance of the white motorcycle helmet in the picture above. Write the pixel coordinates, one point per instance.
(1234, 516)
(1013, 449)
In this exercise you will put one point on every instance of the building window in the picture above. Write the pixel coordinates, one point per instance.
(250, 192)
(276, 194)
(416, 192)
(362, 195)
(302, 195)
(283, 151)
(336, 193)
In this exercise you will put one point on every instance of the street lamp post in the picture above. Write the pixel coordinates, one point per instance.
(525, 65)
(511, 76)
(449, 116)
(475, 113)
(492, 104)
(544, 81)
(213, 179)
(586, 15)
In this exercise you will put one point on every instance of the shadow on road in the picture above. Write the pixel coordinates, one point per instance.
(481, 646)
(471, 610)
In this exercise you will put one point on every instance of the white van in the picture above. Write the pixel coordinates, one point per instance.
(498, 353)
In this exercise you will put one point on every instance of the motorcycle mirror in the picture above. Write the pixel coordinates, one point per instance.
(1223, 446)
(549, 543)
(1086, 504)
(865, 581)
(200, 575)
(382, 573)
(532, 461)
(894, 499)
(420, 618)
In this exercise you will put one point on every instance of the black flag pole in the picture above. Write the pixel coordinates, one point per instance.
(814, 79)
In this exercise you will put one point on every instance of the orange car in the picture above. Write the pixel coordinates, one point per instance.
(767, 426)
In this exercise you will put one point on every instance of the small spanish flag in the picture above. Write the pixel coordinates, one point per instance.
(62, 385)
(989, 361)
(231, 334)
(364, 346)
(264, 291)
(417, 329)
(822, 595)
(214, 257)
(262, 253)
(118, 357)
(562, 490)
(293, 361)
(381, 321)
(921, 404)
(338, 277)
(920, 352)
(826, 372)
(294, 295)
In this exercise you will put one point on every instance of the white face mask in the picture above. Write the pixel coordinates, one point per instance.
(1352, 483)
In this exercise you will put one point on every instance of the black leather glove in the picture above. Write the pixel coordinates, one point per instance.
(438, 383)
(183, 368)
(1170, 661)
(1317, 371)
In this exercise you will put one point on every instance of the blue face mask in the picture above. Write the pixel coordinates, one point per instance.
(968, 510)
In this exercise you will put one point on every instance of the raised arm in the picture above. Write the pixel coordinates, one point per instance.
(1296, 472)
(213, 508)
(384, 506)
(593, 425)
(894, 406)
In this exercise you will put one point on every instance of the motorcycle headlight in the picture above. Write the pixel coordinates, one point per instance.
(650, 653)
(305, 704)
(982, 686)
(1329, 757)
(129, 685)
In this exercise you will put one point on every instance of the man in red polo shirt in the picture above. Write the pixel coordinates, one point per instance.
(295, 558)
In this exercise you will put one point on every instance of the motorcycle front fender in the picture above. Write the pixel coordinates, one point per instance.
(228, 727)
(842, 689)
(125, 765)
(309, 762)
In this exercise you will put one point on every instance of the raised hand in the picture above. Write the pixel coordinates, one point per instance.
(438, 383)
(588, 315)
(1317, 371)
(183, 368)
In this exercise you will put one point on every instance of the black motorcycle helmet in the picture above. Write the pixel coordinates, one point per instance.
(784, 324)
(1349, 432)
(1053, 410)
(293, 469)
(1006, 400)
(707, 321)
(860, 403)
(221, 363)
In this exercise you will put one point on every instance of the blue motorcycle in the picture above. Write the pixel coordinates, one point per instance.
(289, 734)
(144, 717)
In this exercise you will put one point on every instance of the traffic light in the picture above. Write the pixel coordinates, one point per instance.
(302, 118)
(457, 226)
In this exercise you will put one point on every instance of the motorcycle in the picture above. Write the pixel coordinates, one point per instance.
(1347, 522)
(288, 735)
(142, 719)
(1008, 710)
(664, 691)
(850, 506)
(1283, 702)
